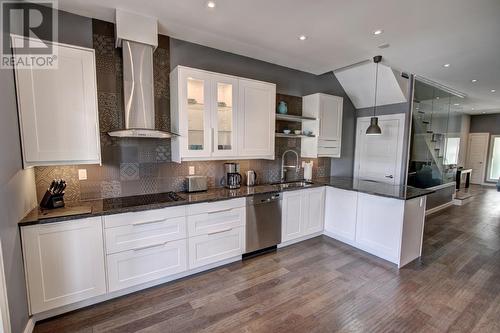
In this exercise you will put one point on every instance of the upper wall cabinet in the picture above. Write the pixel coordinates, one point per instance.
(327, 110)
(256, 119)
(58, 109)
(220, 117)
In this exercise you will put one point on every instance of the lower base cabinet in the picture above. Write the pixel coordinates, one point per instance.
(64, 262)
(211, 248)
(340, 214)
(302, 213)
(130, 268)
(388, 228)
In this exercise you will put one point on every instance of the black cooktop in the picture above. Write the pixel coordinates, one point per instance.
(140, 200)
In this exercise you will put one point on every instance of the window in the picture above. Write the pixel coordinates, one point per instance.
(452, 149)
(494, 161)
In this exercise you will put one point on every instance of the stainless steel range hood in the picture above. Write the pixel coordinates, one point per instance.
(138, 91)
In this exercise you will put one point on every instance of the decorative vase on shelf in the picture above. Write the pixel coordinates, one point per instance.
(282, 107)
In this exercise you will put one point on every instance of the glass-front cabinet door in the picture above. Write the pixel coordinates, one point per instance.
(224, 116)
(197, 131)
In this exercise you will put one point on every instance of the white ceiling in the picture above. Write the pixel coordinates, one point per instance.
(423, 35)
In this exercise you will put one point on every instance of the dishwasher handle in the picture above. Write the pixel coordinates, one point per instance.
(258, 199)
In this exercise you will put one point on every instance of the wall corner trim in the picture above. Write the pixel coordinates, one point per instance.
(30, 326)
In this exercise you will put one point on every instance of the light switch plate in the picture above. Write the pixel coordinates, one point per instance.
(191, 170)
(82, 174)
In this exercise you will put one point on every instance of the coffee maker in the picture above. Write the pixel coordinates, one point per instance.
(232, 178)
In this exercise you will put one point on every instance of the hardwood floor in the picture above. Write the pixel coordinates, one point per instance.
(322, 285)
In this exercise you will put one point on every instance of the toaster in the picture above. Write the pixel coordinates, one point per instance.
(196, 183)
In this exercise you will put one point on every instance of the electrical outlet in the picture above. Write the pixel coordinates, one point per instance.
(82, 174)
(191, 170)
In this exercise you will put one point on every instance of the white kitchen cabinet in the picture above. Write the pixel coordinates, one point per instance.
(57, 108)
(220, 116)
(315, 208)
(328, 111)
(256, 119)
(64, 262)
(379, 225)
(216, 246)
(388, 228)
(302, 213)
(340, 214)
(147, 263)
(214, 221)
(216, 231)
(292, 215)
(143, 234)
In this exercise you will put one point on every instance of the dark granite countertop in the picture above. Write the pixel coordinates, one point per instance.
(162, 200)
(399, 192)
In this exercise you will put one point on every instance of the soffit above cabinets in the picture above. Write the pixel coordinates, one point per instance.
(359, 83)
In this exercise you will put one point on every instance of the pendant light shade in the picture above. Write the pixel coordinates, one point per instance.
(374, 128)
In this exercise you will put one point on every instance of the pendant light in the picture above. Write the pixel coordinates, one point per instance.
(374, 128)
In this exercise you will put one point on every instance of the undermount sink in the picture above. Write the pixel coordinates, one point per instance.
(295, 184)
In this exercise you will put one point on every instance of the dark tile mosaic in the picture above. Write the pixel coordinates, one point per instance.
(143, 166)
(129, 171)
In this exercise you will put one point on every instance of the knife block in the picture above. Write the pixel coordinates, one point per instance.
(51, 201)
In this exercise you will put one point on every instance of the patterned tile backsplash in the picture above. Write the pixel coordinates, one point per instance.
(133, 166)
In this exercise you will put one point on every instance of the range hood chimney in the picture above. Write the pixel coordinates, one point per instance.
(138, 37)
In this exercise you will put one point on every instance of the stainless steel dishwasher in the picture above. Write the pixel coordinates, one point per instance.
(263, 225)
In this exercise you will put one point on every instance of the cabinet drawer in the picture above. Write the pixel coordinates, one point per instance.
(215, 206)
(137, 218)
(207, 249)
(327, 143)
(130, 268)
(328, 151)
(137, 235)
(215, 221)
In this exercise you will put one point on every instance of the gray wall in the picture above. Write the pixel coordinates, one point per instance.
(288, 81)
(486, 123)
(14, 184)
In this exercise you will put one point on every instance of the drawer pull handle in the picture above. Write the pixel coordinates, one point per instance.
(149, 246)
(220, 211)
(219, 231)
(329, 147)
(146, 222)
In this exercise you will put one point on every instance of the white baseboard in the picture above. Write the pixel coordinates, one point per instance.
(461, 202)
(339, 238)
(30, 325)
(438, 208)
(300, 239)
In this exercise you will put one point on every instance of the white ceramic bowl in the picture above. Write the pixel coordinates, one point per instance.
(298, 132)
(287, 131)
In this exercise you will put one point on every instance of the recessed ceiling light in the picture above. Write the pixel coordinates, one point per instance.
(437, 97)
(456, 104)
(378, 32)
(302, 37)
(484, 112)
(211, 4)
(473, 80)
(472, 109)
(446, 65)
(493, 90)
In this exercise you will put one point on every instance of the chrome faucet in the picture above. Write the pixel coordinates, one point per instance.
(283, 166)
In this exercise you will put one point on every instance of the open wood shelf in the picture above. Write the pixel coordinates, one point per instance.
(295, 136)
(288, 117)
